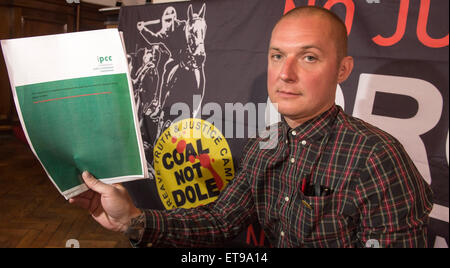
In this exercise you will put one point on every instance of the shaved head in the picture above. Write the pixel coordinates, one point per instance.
(338, 27)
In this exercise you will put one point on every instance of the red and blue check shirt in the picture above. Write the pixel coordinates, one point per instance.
(334, 181)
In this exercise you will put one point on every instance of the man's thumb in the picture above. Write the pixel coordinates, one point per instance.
(94, 184)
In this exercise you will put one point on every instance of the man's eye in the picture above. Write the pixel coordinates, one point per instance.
(276, 57)
(310, 58)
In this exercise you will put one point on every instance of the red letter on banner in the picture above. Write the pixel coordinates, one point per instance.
(349, 5)
(251, 234)
(422, 28)
(401, 26)
(289, 5)
(350, 11)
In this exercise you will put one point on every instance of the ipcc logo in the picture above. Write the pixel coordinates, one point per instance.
(73, 1)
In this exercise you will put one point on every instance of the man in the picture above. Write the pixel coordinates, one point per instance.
(332, 181)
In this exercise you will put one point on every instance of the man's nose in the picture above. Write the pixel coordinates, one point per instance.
(289, 71)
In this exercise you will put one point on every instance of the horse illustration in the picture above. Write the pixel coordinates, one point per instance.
(169, 70)
(195, 36)
(184, 71)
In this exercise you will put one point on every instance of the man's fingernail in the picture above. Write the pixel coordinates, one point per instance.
(86, 174)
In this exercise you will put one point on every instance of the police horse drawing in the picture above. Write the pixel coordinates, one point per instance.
(168, 70)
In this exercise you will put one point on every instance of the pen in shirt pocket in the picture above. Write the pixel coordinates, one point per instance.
(303, 185)
(321, 190)
(314, 189)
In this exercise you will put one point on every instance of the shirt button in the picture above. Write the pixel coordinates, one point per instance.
(292, 160)
(303, 142)
(286, 199)
(282, 233)
(287, 141)
(294, 132)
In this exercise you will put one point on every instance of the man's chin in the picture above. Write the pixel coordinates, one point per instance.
(291, 113)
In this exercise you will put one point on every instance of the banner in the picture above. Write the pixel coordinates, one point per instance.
(200, 67)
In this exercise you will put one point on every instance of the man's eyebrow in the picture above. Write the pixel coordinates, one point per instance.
(301, 48)
(310, 46)
(275, 48)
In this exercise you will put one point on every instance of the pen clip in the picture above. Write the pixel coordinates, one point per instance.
(317, 189)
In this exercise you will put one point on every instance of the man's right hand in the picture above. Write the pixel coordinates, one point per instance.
(109, 205)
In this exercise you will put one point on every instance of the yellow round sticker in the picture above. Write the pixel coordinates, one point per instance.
(193, 163)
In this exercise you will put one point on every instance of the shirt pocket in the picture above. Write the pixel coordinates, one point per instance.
(318, 219)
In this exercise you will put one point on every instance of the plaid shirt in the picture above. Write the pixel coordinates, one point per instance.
(334, 181)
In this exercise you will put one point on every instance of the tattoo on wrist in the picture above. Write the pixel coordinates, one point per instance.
(136, 227)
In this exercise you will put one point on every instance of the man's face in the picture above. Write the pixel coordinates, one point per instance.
(302, 67)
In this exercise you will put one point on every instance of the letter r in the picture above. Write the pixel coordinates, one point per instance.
(407, 131)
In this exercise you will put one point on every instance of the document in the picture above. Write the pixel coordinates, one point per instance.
(74, 98)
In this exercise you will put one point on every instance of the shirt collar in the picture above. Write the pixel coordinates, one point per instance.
(313, 129)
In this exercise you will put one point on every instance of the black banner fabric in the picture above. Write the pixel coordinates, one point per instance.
(199, 69)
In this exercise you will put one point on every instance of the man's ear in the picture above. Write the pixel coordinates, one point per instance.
(345, 69)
